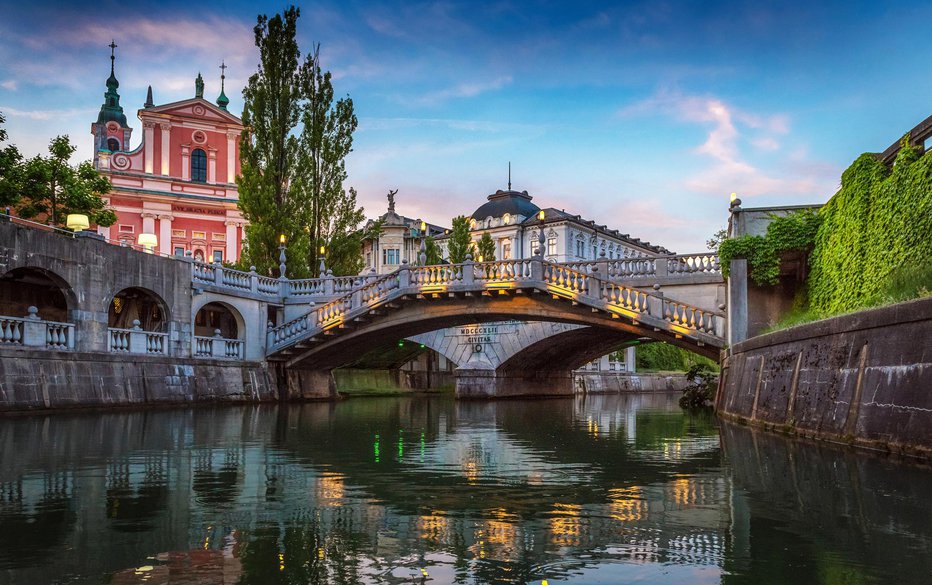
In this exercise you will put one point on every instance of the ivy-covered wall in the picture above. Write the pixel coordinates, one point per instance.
(880, 221)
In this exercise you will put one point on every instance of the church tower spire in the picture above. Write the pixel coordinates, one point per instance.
(111, 110)
(111, 132)
(222, 99)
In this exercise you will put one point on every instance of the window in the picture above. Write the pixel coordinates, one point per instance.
(506, 250)
(580, 249)
(199, 165)
(369, 259)
(179, 250)
(113, 144)
(506, 219)
(595, 253)
(218, 256)
(391, 256)
(551, 246)
(126, 229)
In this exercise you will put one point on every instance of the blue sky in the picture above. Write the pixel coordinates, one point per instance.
(640, 115)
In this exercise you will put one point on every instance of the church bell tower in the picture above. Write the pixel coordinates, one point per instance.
(111, 132)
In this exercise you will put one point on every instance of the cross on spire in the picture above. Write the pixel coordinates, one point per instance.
(223, 76)
(113, 47)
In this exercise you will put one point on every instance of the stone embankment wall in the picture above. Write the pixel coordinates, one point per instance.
(863, 379)
(36, 379)
(618, 382)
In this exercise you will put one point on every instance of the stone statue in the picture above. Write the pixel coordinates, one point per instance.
(391, 200)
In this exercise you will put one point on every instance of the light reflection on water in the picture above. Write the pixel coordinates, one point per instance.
(603, 489)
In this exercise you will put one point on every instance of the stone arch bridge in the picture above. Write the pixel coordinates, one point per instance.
(62, 295)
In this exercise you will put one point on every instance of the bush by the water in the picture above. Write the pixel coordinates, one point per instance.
(700, 391)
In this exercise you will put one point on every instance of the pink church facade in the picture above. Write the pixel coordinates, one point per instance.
(179, 183)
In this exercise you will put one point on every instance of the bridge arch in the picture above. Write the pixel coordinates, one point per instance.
(214, 315)
(567, 350)
(26, 286)
(138, 304)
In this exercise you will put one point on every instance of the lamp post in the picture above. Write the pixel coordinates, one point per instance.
(281, 256)
(323, 261)
(77, 222)
(147, 241)
(422, 254)
(540, 236)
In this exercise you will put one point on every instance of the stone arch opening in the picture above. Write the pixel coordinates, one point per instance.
(219, 316)
(26, 287)
(138, 304)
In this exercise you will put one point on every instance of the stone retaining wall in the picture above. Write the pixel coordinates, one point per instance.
(39, 379)
(618, 382)
(863, 379)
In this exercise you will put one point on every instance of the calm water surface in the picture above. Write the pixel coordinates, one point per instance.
(605, 489)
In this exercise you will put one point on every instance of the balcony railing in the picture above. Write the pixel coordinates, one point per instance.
(218, 347)
(137, 341)
(31, 331)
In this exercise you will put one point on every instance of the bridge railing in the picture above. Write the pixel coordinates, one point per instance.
(675, 265)
(33, 332)
(218, 347)
(560, 279)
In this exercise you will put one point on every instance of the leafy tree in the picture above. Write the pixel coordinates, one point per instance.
(51, 188)
(270, 194)
(460, 240)
(716, 240)
(434, 254)
(11, 167)
(486, 248)
(326, 139)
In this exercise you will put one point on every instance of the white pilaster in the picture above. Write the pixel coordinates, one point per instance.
(148, 138)
(232, 251)
(166, 146)
(165, 234)
(212, 166)
(185, 162)
(231, 157)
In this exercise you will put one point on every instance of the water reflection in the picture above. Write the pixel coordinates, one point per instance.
(418, 490)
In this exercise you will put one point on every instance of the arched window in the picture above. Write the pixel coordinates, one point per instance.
(199, 165)
(113, 144)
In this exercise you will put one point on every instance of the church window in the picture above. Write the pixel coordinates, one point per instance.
(113, 145)
(199, 165)
(218, 256)
(391, 256)
(179, 250)
(506, 250)
(551, 246)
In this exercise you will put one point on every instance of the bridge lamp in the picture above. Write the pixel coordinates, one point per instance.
(540, 215)
(733, 197)
(147, 241)
(77, 222)
(423, 227)
(281, 239)
(323, 250)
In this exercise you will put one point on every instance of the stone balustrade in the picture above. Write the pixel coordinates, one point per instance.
(137, 341)
(33, 332)
(219, 347)
(582, 286)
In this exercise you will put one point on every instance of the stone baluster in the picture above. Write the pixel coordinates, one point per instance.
(137, 338)
(328, 284)
(404, 275)
(661, 266)
(34, 330)
(218, 274)
(602, 264)
(469, 274)
(253, 280)
(217, 346)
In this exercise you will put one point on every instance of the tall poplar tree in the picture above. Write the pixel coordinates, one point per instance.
(269, 196)
(460, 242)
(293, 151)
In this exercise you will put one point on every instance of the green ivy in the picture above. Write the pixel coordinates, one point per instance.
(793, 232)
(879, 222)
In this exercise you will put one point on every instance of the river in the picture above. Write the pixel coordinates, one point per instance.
(424, 489)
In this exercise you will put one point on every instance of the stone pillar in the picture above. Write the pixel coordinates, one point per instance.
(148, 138)
(165, 234)
(631, 359)
(218, 346)
(737, 301)
(137, 339)
(33, 329)
(231, 157)
(148, 223)
(308, 384)
(166, 147)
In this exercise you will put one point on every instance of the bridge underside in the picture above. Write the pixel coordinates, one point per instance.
(307, 364)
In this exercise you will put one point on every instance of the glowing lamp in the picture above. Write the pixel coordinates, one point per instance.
(77, 222)
(281, 239)
(733, 197)
(423, 226)
(540, 215)
(147, 241)
(481, 259)
(323, 250)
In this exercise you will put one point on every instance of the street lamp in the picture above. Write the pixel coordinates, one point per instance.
(422, 254)
(77, 222)
(323, 258)
(147, 241)
(281, 256)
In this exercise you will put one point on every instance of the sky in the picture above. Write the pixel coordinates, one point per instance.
(643, 116)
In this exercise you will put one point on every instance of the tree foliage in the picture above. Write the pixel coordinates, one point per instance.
(433, 251)
(292, 155)
(50, 187)
(486, 248)
(11, 167)
(460, 242)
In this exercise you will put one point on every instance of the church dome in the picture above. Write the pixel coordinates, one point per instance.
(502, 202)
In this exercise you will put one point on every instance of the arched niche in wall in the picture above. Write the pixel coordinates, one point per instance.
(131, 304)
(26, 287)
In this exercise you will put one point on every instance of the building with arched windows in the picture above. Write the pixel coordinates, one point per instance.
(179, 183)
